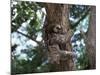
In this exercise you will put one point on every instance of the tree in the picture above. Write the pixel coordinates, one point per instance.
(91, 39)
(48, 44)
(58, 37)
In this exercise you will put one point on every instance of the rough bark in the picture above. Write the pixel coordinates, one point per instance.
(91, 39)
(57, 37)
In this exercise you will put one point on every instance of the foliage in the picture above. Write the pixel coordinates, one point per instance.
(80, 23)
(28, 51)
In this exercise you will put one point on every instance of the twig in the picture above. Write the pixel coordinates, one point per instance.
(28, 37)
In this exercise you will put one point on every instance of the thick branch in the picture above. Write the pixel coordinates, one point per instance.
(81, 18)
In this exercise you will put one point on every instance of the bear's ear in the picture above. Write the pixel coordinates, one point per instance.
(57, 28)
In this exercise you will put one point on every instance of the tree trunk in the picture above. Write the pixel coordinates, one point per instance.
(91, 39)
(57, 37)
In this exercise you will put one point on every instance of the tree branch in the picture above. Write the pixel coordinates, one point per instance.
(81, 18)
(28, 37)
